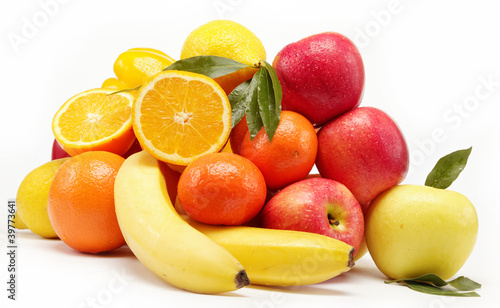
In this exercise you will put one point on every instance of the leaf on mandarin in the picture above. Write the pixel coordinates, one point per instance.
(258, 98)
(276, 86)
(267, 103)
(210, 66)
(254, 120)
(240, 98)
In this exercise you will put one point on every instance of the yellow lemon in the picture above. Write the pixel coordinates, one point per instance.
(229, 39)
(17, 222)
(113, 84)
(136, 66)
(32, 196)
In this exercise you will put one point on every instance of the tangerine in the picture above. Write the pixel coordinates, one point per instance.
(222, 189)
(81, 204)
(291, 154)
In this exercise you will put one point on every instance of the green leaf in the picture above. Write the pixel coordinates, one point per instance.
(430, 289)
(433, 284)
(267, 102)
(211, 66)
(429, 278)
(240, 98)
(125, 90)
(254, 120)
(278, 95)
(259, 99)
(464, 284)
(447, 169)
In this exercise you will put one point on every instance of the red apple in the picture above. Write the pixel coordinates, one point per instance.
(321, 76)
(316, 205)
(238, 135)
(57, 151)
(365, 150)
(134, 148)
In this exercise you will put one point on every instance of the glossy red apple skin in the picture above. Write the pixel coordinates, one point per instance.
(365, 150)
(316, 205)
(134, 148)
(321, 76)
(57, 151)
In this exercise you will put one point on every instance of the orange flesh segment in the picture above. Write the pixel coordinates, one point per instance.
(184, 117)
(94, 117)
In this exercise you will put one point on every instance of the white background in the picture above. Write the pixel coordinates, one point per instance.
(426, 64)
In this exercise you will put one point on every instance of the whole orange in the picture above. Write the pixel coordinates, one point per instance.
(291, 154)
(81, 203)
(222, 189)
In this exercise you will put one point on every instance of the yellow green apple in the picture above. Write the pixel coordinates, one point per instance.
(413, 230)
(362, 250)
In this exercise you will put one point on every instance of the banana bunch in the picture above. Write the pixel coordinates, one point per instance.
(214, 259)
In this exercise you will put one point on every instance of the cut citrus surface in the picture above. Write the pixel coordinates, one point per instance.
(95, 120)
(179, 116)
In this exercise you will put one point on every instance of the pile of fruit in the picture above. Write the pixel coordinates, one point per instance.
(202, 166)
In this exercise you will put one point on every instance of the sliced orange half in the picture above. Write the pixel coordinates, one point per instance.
(95, 120)
(179, 116)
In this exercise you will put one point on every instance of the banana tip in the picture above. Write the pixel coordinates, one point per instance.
(241, 279)
(350, 262)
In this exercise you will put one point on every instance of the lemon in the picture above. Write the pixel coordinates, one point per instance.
(229, 39)
(136, 66)
(32, 195)
(224, 38)
(113, 84)
(18, 223)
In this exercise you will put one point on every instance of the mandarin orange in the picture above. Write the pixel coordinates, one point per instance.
(291, 154)
(222, 189)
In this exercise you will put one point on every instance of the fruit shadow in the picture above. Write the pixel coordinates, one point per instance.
(122, 252)
(305, 290)
(135, 269)
(146, 277)
(363, 271)
(28, 235)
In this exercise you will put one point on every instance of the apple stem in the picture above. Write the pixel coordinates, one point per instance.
(333, 221)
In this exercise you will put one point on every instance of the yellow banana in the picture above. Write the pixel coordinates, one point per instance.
(282, 257)
(163, 241)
